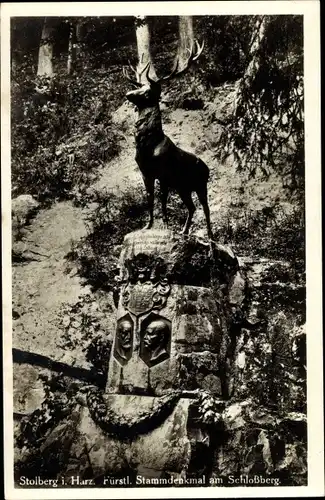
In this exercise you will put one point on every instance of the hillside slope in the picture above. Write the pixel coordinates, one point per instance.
(43, 288)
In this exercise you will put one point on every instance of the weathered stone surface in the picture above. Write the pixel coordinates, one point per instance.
(92, 444)
(185, 260)
(196, 321)
(28, 388)
(169, 306)
(197, 436)
(237, 289)
(22, 209)
(188, 371)
(166, 448)
(258, 441)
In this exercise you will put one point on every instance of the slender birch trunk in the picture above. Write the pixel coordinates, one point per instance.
(45, 54)
(71, 49)
(143, 46)
(186, 38)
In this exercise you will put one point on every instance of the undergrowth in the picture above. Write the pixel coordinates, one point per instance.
(86, 326)
(270, 232)
(61, 132)
(112, 216)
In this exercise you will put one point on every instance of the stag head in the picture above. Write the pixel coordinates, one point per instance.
(148, 94)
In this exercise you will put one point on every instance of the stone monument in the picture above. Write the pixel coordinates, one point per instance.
(169, 413)
(169, 370)
(165, 321)
(166, 385)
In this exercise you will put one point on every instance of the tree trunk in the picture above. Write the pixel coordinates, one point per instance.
(143, 46)
(186, 38)
(45, 54)
(255, 57)
(71, 49)
(78, 39)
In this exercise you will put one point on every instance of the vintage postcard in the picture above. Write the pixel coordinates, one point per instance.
(161, 217)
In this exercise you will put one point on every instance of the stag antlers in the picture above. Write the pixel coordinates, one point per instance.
(137, 73)
(194, 55)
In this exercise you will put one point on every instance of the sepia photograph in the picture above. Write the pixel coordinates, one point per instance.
(158, 169)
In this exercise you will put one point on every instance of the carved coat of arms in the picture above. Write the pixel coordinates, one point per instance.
(147, 288)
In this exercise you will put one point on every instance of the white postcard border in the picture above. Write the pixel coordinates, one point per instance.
(310, 10)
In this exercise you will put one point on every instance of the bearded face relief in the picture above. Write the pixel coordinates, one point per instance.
(124, 339)
(155, 339)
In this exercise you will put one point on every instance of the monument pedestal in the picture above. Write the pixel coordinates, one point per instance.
(160, 414)
(168, 351)
(165, 448)
(142, 437)
(169, 321)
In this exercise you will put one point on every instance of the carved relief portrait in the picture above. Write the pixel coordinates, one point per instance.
(124, 339)
(155, 339)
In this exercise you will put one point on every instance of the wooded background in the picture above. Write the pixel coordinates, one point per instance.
(83, 60)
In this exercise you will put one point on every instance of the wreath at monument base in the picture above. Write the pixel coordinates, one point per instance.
(127, 427)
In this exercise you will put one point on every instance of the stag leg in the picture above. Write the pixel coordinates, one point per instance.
(203, 198)
(187, 200)
(163, 198)
(150, 188)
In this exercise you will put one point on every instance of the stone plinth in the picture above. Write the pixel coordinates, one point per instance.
(165, 446)
(160, 415)
(169, 325)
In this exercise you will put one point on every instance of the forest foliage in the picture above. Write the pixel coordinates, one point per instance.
(267, 128)
(63, 134)
(61, 127)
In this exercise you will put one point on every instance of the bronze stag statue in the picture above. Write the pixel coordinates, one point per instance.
(158, 157)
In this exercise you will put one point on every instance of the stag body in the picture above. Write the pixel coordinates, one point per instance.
(159, 158)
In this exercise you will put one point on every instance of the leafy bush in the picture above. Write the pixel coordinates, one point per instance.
(85, 325)
(98, 354)
(80, 321)
(61, 132)
(225, 59)
(276, 239)
(187, 92)
(266, 131)
(57, 404)
(113, 215)
(272, 233)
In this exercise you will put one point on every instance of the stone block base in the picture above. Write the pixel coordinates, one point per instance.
(166, 451)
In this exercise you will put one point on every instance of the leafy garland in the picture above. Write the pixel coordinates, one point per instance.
(36, 428)
(124, 426)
